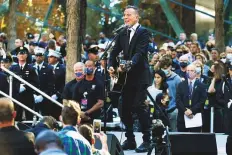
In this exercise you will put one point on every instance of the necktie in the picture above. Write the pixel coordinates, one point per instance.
(128, 35)
(190, 89)
(38, 69)
(21, 68)
(102, 71)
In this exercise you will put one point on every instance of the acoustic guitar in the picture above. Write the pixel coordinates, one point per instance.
(118, 80)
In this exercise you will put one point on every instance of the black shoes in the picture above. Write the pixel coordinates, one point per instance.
(129, 145)
(144, 147)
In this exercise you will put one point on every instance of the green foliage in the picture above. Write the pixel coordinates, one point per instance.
(99, 21)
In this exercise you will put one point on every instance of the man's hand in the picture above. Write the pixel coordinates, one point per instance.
(22, 88)
(111, 71)
(188, 112)
(229, 103)
(84, 117)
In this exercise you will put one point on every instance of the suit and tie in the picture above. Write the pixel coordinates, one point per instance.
(134, 45)
(189, 95)
(28, 73)
(46, 84)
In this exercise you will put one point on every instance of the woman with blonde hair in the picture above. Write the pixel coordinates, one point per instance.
(202, 59)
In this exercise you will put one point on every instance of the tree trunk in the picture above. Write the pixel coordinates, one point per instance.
(11, 25)
(219, 25)
(83, 6)
(188, 18)
(73, 39)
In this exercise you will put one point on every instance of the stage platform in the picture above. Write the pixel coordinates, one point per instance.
(221, 142)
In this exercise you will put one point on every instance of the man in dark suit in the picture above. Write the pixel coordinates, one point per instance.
(59, 73)
(46, 82)
(134, 42)
(4, 85)
(191, 95)
(13, 141)
(27, 72)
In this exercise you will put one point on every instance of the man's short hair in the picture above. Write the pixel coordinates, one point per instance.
(6, 109)
(79, 64)
(133, 7)
(70, 113)
(165, 61)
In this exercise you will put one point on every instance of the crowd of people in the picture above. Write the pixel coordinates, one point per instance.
(184, 78)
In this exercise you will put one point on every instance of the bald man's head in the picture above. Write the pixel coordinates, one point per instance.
(6, 110)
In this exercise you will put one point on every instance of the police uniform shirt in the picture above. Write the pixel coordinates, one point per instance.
(94, 91)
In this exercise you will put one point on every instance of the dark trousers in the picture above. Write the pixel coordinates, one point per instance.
(27, 99)
(206, 120)
(53, 109)
(133, 98)
(229, 145)
(219, 120)
(181, 128)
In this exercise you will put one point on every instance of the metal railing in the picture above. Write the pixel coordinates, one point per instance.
(21, 105)
(29, 85)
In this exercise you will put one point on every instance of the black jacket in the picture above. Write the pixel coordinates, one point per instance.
(137, 52)
(198, 99)
(4, 85)
(16, 142)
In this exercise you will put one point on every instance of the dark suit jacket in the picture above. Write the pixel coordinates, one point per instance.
(198, 99)
(16, 142)
(59, 73)
(46, 78)
(29, 75)
(137, 52)
(4, 85)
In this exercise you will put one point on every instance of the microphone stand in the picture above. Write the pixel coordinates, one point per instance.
(166, 128)
(106, 87)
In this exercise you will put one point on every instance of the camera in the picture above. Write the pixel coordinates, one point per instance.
(158, 142)
(157, 129)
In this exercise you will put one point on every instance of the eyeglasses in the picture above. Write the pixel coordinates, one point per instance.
(39, 55)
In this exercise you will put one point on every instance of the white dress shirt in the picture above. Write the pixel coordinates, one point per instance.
(133, 30)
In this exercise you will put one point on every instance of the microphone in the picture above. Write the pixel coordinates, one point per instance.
(120, 28)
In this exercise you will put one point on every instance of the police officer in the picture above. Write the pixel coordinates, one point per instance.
(78, 68)
(4, 85)
(7, 62)
(46, 81)
(27, 72)
(59, 73)
(89, 93)
(93, 54)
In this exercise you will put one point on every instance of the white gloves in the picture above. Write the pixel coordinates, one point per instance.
(22, 88)
(38, 98)
(229, 103)
(54, 96)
